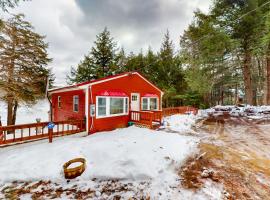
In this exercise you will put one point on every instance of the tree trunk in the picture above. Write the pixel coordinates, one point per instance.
(236, 95)
(14, 112)
(9, 110)
(268, 75)
(247, 78)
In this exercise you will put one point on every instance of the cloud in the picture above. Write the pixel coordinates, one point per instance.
(70, 26)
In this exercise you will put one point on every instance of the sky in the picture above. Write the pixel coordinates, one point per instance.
(71, 26)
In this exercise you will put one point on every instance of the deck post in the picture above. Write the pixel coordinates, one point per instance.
(151, 120)
(1, 135)
(50, 135)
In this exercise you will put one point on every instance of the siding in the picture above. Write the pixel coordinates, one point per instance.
(66, 111)
(128, 84)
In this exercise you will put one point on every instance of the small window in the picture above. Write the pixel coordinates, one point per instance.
(134, 98)
(126, 105)
(153, 103)
(76, 103)
(149, 103)
(101, 106)
(145, 104)
(59, 102)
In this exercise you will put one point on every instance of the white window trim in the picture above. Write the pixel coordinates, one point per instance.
(148, 103)
(74, 103)
(59, 98)
(126, 112)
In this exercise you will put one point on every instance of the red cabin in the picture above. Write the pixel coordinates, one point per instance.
(108, 103)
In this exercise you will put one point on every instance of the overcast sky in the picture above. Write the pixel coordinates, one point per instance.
(71, 26)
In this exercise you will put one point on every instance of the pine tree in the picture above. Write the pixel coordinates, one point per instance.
(167, 69)
(5, 4)
(100, 62)
(23, 57)
(244, 30)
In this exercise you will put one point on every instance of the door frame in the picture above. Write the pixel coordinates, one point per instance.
(138, 99)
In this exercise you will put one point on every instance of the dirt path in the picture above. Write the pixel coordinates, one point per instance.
(238, 151)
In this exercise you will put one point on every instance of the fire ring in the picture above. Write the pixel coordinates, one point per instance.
(73, 172)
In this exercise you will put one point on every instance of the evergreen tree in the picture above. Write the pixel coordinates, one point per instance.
(101, 61)
(244, 30)
(169, 72)
(5, 4)
(23, 57)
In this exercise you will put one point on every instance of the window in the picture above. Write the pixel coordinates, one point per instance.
(101, 106)
(116, 106)
(126, 105)
(134, 97)
(76, 103)
(59, 101)
(153, 103)
(112, 106)
(145, 104)
(149, 103)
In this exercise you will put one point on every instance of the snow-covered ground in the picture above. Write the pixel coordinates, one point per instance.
(180, 123)
(252, 112)
(148, 160)
(27, 114)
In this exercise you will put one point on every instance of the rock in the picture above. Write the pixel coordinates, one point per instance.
(98, 193)
(226, 195)
(207, 173)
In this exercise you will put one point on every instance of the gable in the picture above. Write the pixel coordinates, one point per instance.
(125, 76)
(130, 77)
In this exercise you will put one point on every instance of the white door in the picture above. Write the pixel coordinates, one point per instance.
(135, 102)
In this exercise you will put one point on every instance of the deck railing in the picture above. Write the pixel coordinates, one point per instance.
(142, 117)
(34, 131)
(179, 110)
(153, 118)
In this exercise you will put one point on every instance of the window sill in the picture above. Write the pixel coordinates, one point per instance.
(115, 115)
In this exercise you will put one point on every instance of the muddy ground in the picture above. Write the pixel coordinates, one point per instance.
(234, 151)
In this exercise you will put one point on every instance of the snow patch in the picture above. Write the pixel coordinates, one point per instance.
(27, 114)
(129, 154)
(180, 123)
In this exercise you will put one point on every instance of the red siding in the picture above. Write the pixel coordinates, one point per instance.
(128, 84)
(66, 111)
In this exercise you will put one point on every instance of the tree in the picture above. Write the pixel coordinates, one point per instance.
(243, 28)
(100, 62)
(5, 4)
(23, 61)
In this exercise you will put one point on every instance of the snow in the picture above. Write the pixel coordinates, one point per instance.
(251, 112)
(132, 153)
(26, 114)
(147, 159)
(73, 165)
(129, 154)
(180, 123)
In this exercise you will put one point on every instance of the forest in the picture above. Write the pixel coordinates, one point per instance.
(223, 57)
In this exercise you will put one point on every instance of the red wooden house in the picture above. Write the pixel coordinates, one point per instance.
(109, 103)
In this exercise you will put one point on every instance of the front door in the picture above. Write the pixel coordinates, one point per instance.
(135, 102)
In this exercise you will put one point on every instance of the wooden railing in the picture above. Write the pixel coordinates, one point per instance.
(153, 118)
(179, 110)
(34, 131)
(147, 118)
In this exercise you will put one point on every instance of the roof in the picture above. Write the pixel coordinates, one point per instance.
(83, 85)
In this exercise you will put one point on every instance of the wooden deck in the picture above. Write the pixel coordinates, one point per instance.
(35, 131)
(153, 119)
